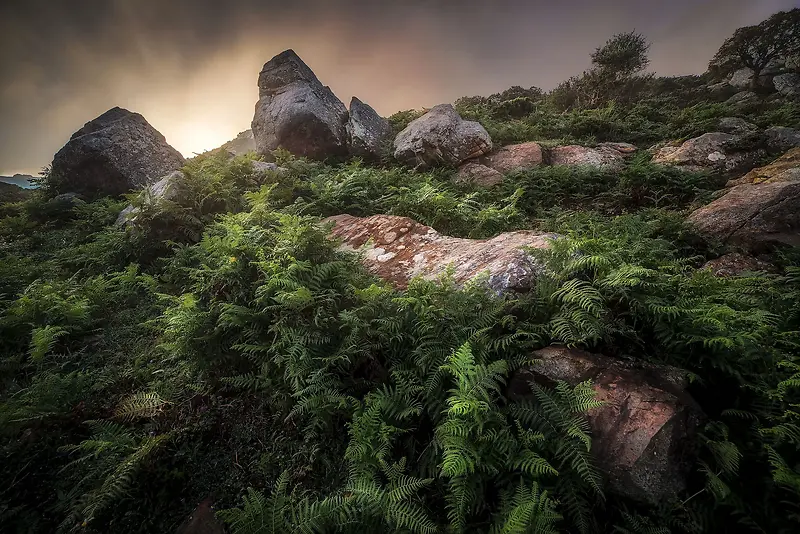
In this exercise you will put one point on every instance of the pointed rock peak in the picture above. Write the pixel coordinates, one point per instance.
(283, 69)
(111, 116)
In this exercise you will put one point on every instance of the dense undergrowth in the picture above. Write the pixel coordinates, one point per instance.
(224, 347)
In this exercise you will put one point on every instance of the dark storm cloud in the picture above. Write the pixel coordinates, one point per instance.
(190, 66)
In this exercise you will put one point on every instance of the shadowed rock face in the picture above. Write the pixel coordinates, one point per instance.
(296, 112)
(761, 211)
(368, 132)
(112, 154)
(643, 438)
(399, 249)
(441, 136)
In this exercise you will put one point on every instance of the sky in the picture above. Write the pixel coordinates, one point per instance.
(191, 66)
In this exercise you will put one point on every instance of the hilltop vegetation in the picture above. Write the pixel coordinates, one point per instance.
(224, 346)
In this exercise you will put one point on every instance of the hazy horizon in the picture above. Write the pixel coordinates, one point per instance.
(191, 67)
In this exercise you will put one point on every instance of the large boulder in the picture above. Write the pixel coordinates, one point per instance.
(399, 249)
(296, 112)
(602, 157)
(441, 136)
(762, 210)
(715, 151)
(113, 154)
(643, 438)
(368, 133)
(511, 158)
(787, 84)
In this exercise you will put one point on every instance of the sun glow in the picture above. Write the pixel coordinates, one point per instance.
(193, 138)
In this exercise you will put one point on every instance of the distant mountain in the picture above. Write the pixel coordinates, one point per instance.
(25, 181)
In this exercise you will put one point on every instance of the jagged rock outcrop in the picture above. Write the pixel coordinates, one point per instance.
(368, 133)
(787, 84)
(715, 151)
(606, 156)
(520, 157)
(735, 263)
(441, 136)
(113, 154)
(478, 174)
(762, 210)
(241, 144)
(644, 437)
(296, 112)
(399, 249)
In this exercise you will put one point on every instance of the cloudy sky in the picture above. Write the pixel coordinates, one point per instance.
(191, 66)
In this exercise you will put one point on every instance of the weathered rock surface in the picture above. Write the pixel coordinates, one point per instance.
(745, 98)
(736, 126)
(241, 144)
(644, 437)
(787, 84)
(790, 161)
(112, 154)
(441, 136)
(478, 174)
(760, 213)
(734, 264)
(511, 158)
(742, 78)
(296, 112)
(169, 188)
(399, 249)
(601, 157)
(714, 151)
(779, 139)
(368, 133)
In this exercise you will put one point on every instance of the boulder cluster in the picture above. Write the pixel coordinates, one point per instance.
(645, 434)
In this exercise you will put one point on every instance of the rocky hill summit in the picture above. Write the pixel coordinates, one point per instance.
(573, 311)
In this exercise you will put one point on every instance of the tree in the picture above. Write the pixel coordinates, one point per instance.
(615, 74)
(624, 55)
(754, 47)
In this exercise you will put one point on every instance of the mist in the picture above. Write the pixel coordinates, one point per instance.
(190, 67)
